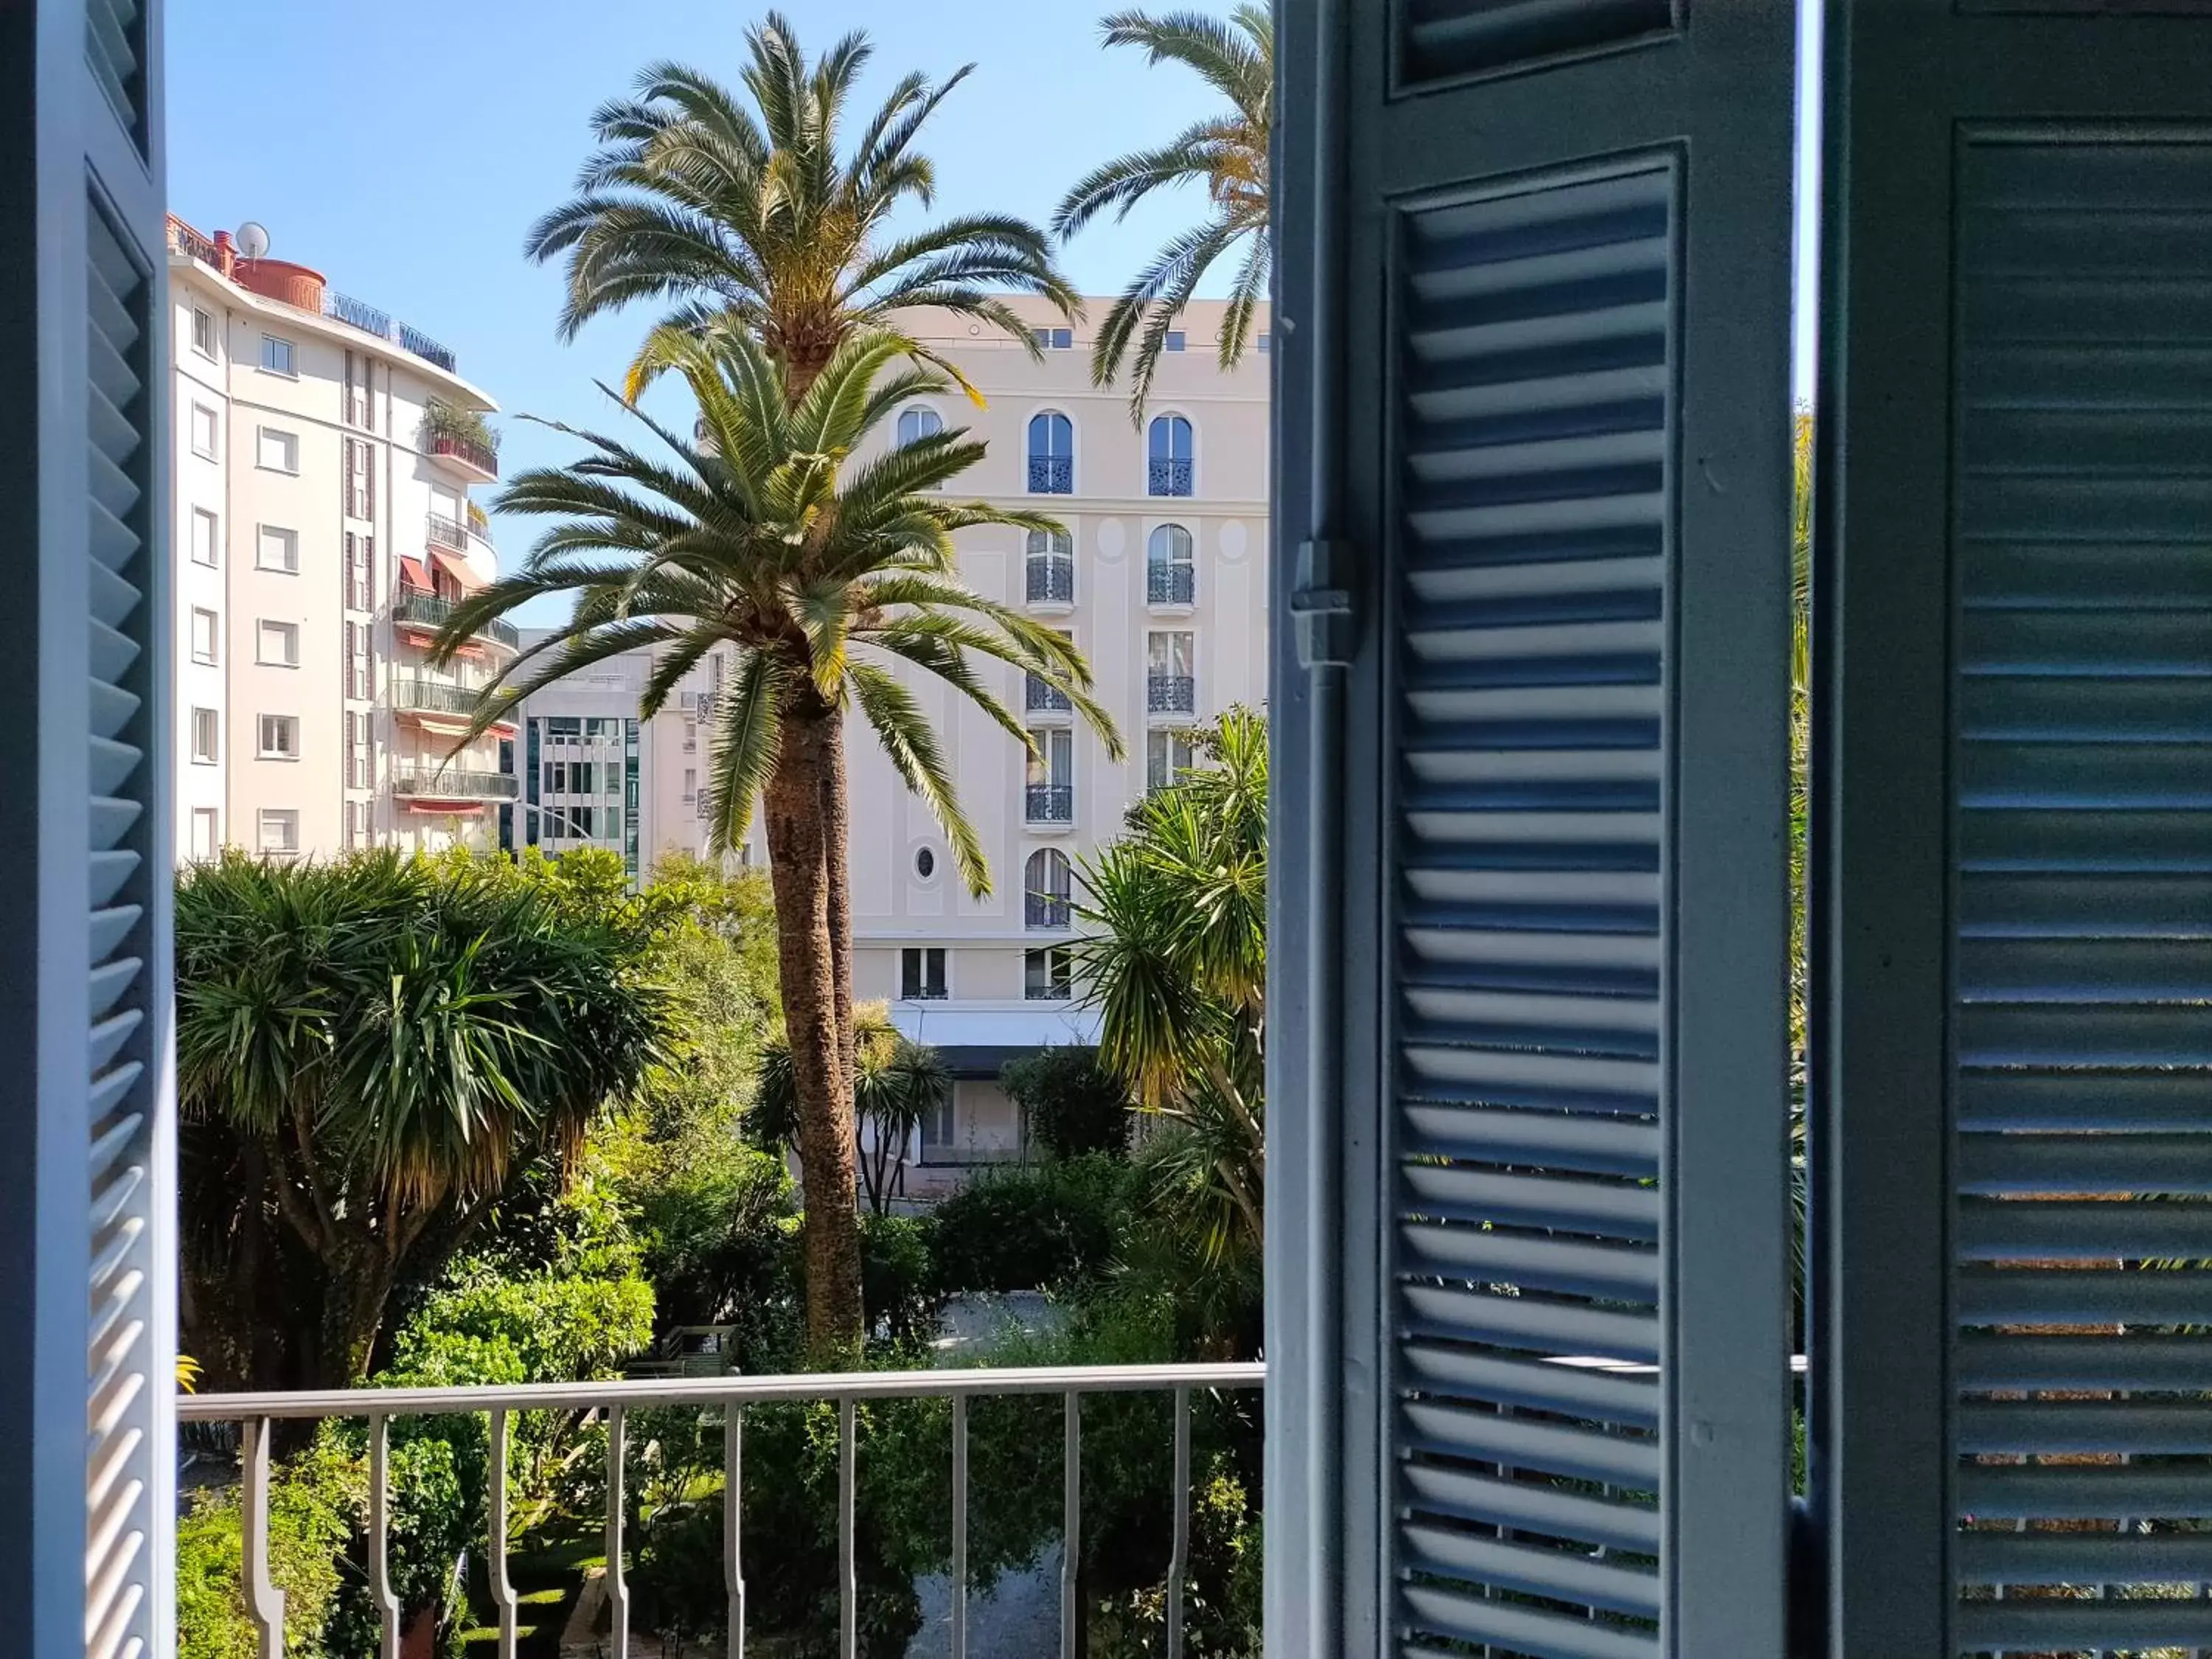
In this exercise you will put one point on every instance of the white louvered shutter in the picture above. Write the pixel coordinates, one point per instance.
(2017, 1385)
(87, 1376)
(1529, 941)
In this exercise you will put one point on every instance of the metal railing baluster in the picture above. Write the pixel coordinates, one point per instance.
(1070, 1525)
(733, 1565)
(503, 1599)
(618, 1584)
(1179, 1553)
(264, 1602)
(959, 1527)
(379, 1538)
(848, 1587)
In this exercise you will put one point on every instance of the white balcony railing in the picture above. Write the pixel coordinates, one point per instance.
(254, 1414)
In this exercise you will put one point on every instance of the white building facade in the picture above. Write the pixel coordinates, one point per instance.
(324, 531)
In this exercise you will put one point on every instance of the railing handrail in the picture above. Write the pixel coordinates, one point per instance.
(969, 1383)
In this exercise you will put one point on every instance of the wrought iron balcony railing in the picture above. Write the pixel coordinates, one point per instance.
(449, 533)
(1051, 580)
(432, 610)
(1040, 696)
(482, 457)
(254, 1416)
(1168, 478)
(1171, 584)
(426, 780)
(1051, 803)
(1170, 694)
(435, 696)
(1052, 475)
(1048, 910)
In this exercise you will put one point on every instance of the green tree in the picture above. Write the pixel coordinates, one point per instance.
(896, 1084)
(818, 573)
(752, 220)
(369, 1052)
(1176, 960)
(1073, 1105)
(1225, 153)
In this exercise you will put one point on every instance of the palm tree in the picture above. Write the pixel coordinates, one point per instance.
(752, 220)
(897, 1083)
(1177, 964)
(817, 573)
(1226, 153)
(370, 1052)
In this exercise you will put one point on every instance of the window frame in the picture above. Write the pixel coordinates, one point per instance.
(207, 349)
(1170, 527)
(921, 415)
(289, 352)
(262, 625)
(1059, 962)
(211, 817)
(212, 655)
(287, 539)
(289, 442)
(924, 957)
(1031, 455)
(213, 451)
(286, 728)
(214, 522)
(1176, 424)
(206, 722)
(287, 817)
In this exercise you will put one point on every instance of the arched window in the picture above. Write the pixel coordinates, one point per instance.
(917, 423)
(1171, 569)
(1169, 470)
(1051, 454)
(1050, 888)
(1051, 568)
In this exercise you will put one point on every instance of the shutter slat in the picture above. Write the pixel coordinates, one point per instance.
(1533, 1322)
(2058, 1558)
(2085, 1492)
(1535, 1261)
(1546, 1572)
(2086, 1099)
(1587, 1391)
(2023, 1295)
(2082, 1427)
(2024, 1230)
(1520, 1629)
(2084, 1163)
(1560, 1141)
(1527, 1508)
(2083, 1362)
(2045, 1623)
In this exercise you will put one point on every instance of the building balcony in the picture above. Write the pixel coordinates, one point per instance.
(1049, 803)
(449, 533)
(1048, 912)
(414, 695)
(1040, 696)
(426, 613)
(1051, 580)
(1168, 478)
(473, 461)
(1170, 694)
(1050, 475)
(1171, 585)
(249, 1420)
(422, 781)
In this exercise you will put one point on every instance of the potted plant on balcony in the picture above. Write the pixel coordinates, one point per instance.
(449, 429)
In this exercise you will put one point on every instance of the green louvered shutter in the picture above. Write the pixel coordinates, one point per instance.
(2016, 1379)
(88, 1235)
(1528, 1110)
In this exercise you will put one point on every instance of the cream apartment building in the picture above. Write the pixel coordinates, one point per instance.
(323, 532)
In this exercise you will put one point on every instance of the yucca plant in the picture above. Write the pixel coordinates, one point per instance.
(743, 214)
(895, 1086)
(763, 537)
(1226, 155)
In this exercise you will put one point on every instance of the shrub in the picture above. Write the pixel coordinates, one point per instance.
(898, 1280)
(1031, 1229)
(314, 1500)
(1073, 1105)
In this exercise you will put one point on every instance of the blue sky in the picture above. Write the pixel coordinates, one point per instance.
(404, 148)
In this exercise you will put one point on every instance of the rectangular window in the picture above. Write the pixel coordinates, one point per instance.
(280, 736)
(1168, 754)
(921, 973)
(205, 539)
(278, 450)
(1178, 340)
(277, 548)
(207, 833)
(280, 829)
(277, 356)
(207, 737)
(360, 581)
(359, 682)
(356, 408)
(691, 783)
(279, 644)
(356, 742)
(1267, 343)
(1048, 976)
(203, 332)
(1054, 339)
(1054, 760)
(359, 462)
(204, 625)
(203, 431)
(356, 822)
(1171, 673)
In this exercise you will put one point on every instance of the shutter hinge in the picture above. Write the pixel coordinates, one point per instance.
(1321, 605)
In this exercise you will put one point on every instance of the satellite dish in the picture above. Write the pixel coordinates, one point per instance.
(253, 239)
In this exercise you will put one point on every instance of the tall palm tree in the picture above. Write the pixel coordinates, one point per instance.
(753, 219)
(1226, 153)
(764, 538)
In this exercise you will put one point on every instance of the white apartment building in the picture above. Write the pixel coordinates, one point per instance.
(324, 534)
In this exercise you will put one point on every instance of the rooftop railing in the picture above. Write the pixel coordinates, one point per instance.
(255, 1415)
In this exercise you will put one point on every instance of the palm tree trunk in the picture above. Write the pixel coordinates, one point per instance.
(836, 833)
(799, 872)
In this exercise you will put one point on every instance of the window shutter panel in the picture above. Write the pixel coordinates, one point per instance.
(2017, 813)
(1528, 1258)
(86, 1269)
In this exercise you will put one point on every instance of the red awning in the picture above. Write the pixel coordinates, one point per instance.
(458, 567)
(412, 573)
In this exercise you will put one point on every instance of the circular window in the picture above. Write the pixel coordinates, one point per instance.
(924, 863)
